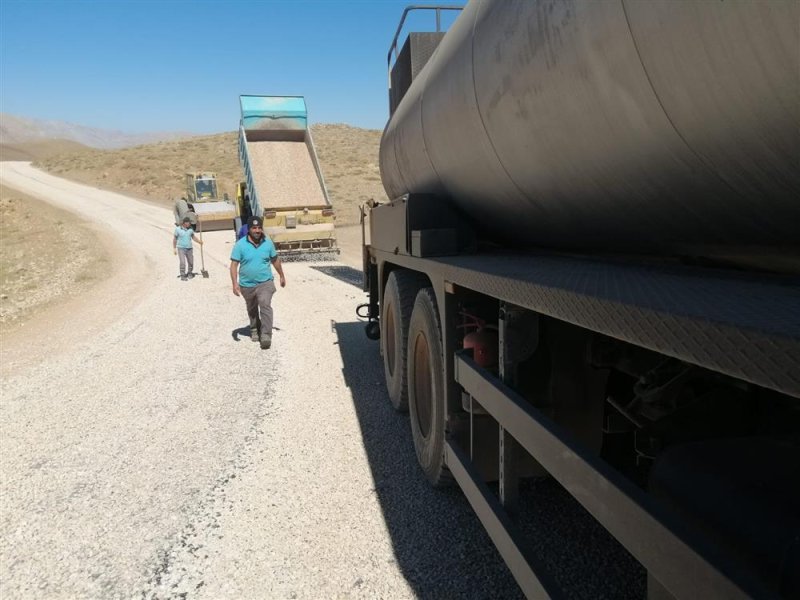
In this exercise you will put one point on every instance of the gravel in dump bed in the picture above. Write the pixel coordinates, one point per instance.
(284, 174)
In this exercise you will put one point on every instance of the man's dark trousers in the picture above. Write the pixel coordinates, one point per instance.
(259, 306)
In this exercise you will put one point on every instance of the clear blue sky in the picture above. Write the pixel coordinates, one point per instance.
(171, 65)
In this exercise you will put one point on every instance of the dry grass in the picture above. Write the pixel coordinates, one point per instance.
(348, 157)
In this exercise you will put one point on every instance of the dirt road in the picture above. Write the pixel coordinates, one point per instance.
(150, 449)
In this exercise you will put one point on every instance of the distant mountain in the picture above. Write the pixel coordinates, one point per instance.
(19, 130)
(40, 150)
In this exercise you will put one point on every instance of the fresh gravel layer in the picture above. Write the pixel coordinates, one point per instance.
(284, 175)
(161, 456)
(329, 501)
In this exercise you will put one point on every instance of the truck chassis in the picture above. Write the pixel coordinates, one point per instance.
(574, 336)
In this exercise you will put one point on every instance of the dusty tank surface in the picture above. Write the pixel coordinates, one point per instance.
(617, 126)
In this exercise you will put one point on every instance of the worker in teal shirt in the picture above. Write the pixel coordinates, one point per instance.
(251, 276)
(182, 246)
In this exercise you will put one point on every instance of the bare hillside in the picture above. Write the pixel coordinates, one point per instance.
(16, 130)
(348, 157)
(39, 150)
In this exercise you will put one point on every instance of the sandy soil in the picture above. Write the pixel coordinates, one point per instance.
(46, 255)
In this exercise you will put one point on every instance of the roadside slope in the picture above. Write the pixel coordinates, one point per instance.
(110, 272)
(47, 256)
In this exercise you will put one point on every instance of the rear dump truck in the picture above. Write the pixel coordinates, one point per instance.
(214, 212)
(283, 180)
(590, 270)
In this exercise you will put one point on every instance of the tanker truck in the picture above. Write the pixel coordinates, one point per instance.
(588, 270)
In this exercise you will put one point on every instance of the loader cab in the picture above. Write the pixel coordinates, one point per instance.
(201, 187)
(206, 188)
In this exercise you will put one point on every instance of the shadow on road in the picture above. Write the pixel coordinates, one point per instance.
(243, 331)
(438, 542)
(343, 273)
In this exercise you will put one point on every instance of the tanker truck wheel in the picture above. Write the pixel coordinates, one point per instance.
(398, 301)
(426, 387)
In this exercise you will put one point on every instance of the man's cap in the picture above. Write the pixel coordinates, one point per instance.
(186, 220)
(255, 221)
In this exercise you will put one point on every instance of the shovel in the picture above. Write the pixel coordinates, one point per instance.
(203, 271)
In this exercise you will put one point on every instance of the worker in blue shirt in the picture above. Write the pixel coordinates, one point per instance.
(251, 275)
(182, 246)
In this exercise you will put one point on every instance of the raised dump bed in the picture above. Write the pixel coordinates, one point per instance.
(283, 181)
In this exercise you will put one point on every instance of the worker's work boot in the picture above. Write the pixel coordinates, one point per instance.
(254, 335)
(266, 341)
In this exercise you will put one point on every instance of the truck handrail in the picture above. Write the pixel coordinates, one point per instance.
(437, 7)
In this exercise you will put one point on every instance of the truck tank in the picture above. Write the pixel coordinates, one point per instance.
(643, 127)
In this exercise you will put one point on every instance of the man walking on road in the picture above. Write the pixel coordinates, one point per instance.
(252, 278)
(182, 246)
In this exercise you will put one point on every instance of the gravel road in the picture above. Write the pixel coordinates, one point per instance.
(150, 450)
